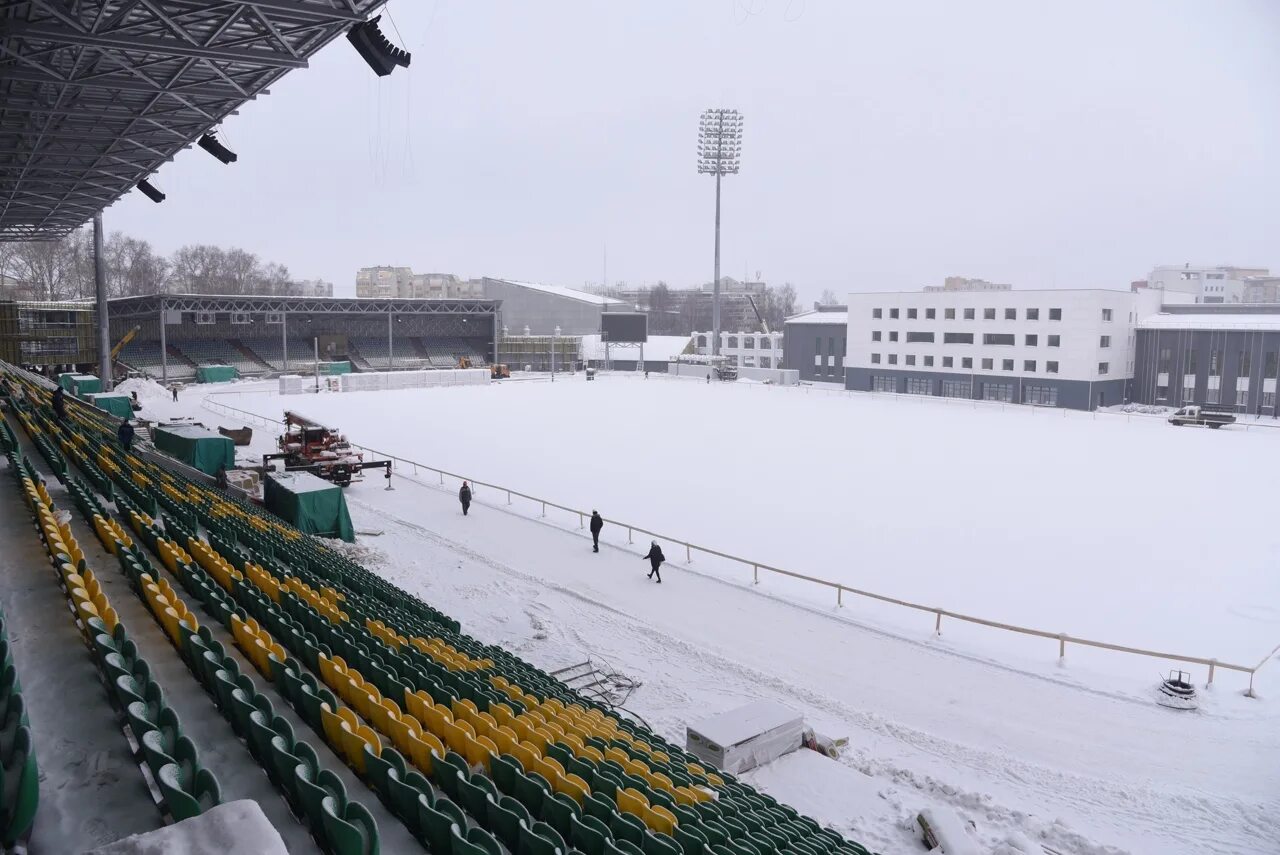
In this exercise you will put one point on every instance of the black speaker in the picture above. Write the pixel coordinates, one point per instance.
(380, 54)
(210, 143)
(150, 192)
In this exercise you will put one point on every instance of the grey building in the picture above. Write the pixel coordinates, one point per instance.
(1202, 354)
(815, 344)
(542, 308)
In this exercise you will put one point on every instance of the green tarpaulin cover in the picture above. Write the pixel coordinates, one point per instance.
(117, 405)
(64, 380)
(335, 367)
(195, 446)
(312, 504)
(84, 384)
(215, 374)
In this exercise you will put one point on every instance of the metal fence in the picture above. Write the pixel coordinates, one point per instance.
(413, 470)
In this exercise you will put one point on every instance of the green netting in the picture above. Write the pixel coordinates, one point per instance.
(311, 504)
(215, 374)
(335, 367)
(116, 405)
(195, 446)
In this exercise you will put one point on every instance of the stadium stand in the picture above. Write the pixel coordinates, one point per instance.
(471, 747)
(144, 356)
(373, 353)
(222, 352)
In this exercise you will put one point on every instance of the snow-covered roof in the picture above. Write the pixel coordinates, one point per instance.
(570, 293)
(840, 318)
(1208, 321)
(658, 348)
(737, 725)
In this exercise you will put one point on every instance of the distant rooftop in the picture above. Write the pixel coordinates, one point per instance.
(825, 315)
(561, 291)
(1222, 321)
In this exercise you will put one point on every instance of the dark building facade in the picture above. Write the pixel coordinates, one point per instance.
(815, 344)
(1204, 355)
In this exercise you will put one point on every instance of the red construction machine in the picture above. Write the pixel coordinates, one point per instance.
(308, 446)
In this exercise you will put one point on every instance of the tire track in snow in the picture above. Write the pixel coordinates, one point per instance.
(1153, 808)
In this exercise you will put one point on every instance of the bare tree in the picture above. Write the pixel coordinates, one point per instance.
(829, 298)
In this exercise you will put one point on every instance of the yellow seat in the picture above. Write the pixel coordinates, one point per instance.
(524, 752)
(660, 819)
(617, 755)
(332, 726)
(575, 787)
(590, 751)
(632, 801)
(477, 753)
(635, 767)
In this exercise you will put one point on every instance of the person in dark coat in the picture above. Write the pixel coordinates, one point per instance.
(597, 523)
(59, 404)
(174, 390)
(464, 496)
(655, 558)
(125, 435)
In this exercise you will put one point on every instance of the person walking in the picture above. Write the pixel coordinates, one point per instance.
(125, 435)
(597, 523)
(655, 558)
(59, 404)
(464, 496)
(174, 389)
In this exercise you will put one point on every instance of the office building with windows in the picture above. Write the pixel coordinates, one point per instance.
(1196, 354)
(1049, 348)
(744, 349)
(814, 343)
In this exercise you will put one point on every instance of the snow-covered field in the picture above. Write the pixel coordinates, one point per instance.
(1080, 524)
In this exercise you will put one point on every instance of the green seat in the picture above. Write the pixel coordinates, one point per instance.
(378, 768)
(473, 796)
(557, 808)
(588, 834)
(447, 772)
(188, 798)
(437, 822)
(506, 817)
(596, 805)
(504, 769)
(559, 753)
(693, 841)
(657, 843)
(350, 829)
(531, 791)
(622, 847)
(21, 788)
(280, 768)
(476, 842)
(404, 792)
(313, 785)
(627, 827)
(541, 839)
(260, 735)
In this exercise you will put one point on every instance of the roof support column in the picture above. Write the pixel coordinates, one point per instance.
(105, 371)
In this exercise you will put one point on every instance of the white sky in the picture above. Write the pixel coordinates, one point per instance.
(887, 145)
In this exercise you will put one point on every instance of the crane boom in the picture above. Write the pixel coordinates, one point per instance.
(759, 316)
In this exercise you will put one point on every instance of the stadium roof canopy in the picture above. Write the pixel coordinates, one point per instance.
(96, 94)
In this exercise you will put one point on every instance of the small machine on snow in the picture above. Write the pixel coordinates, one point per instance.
(308, 446)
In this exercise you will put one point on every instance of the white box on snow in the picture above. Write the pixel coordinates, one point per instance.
(746, 737)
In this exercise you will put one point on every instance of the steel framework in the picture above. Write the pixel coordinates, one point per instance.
(123, 308)
(96, 94)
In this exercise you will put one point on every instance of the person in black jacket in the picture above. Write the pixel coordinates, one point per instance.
(597, 523)
(655, 558)
(125, 435)
(59, 404)
(464, 496)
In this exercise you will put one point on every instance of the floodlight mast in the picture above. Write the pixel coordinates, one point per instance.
(719, 153)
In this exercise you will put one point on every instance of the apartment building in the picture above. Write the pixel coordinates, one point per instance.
(383, 282)
(744, 349)
(1220, 284)
(1049, 348)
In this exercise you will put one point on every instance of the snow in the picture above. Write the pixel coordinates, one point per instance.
(1238, 321)
(147, 389)
(820, 318)
(238, 826)
(949, 831)
(746, 722)
(570, 293)
(1075, 756)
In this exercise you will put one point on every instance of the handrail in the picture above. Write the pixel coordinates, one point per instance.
(841, 589)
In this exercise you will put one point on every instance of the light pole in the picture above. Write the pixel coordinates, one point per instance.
(719, 150)
(555, 345)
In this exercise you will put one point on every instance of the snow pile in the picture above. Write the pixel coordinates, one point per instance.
(238, 826)
(147, 389)
(659, 348)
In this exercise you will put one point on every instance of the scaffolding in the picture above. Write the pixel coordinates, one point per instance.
(533, 352)
(48, 334)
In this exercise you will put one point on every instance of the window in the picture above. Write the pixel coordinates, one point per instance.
(766, 362)
(1051, 368)
(1006, 365)
(949, 314)
(1105, 341)
(1188, 394)
(875, 335)
(957, 338)
(988, 364)
(1162, 393)
(928, 361)
(918, 386)
(893, 359)
(1191, 361)
(948, 362)
(920, 336)
(911, 359)
(1029, 365)
(956, 389)
(1010, 314)
(1166, 354)
(1215, 362)
(733, 342)
(930, 314)
(877, 313)
(1032, 340)
(893, 313)
(1041, 396)
(1106, 314)
(1055, 314)
(968, 314)
(997, 392)
(1213, 396)
(1055, 341)
(1008, 339)
(988, 314)
(966, 362)
(911, 314)
(1269, 366)
(1244, 364)
(1033, 314)
(1242, 397)
(884, 384)
(893, 335)
(1269, 399)
(748, 343)
(1104, 367)
(844, 347)
(875, 359)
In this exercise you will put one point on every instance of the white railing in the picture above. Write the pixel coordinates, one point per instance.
(404, 466)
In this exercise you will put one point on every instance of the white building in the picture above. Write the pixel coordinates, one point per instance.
(1222, 284)
(1053, 348)
(744, 349)
(383, 282)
